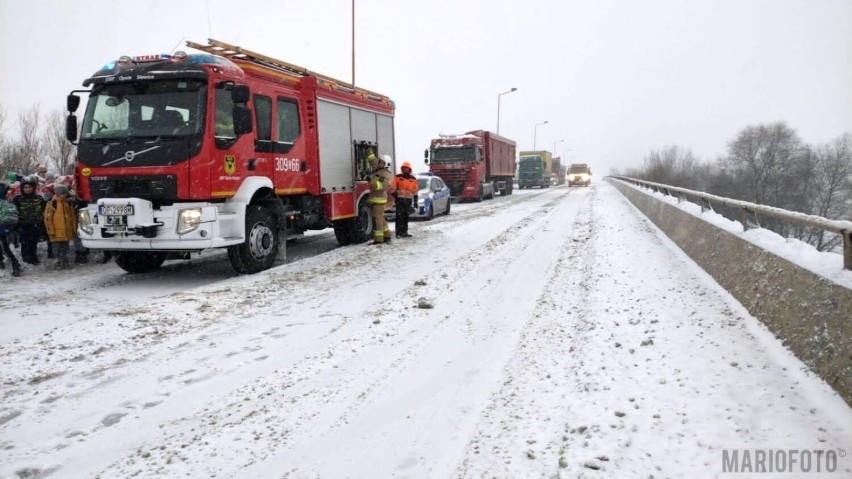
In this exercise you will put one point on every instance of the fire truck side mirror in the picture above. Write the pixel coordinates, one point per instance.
(71, 128)
(240, 94)
(242, 120)
(72, 103)
(426, 156)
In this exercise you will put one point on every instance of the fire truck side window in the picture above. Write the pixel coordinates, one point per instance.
(288, 124)
(263, 117)
(224, 117)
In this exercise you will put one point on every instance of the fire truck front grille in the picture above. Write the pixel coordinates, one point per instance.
(162, 188)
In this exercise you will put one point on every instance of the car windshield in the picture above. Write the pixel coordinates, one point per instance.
(422, 183)
(579, 170)
(145, 109)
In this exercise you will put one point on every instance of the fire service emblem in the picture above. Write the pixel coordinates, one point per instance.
(230, 164)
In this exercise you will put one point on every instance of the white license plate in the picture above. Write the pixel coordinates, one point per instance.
(115, 210)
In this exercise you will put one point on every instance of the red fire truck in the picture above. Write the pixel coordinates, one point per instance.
(474, 165)
(226, 148)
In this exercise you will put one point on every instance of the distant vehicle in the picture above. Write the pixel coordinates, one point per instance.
(579, 174)
(534, 169)
(433, 197)
(558, 169)
(474, 165)
(554, 180)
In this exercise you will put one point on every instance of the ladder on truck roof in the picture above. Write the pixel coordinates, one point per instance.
(229, 51)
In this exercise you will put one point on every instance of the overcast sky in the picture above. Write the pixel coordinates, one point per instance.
(613, 79)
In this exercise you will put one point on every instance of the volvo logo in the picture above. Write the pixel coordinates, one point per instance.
(129, 155)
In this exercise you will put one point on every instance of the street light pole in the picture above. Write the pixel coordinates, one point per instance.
(535, 132)
(353, 43)
(498, 106)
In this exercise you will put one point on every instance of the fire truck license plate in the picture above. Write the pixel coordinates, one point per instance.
(116, 210)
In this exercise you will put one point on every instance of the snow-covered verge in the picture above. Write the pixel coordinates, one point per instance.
(826, 264)
(567, 337)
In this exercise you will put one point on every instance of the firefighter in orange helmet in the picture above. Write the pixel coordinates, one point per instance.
(380, 181)
(403, 188)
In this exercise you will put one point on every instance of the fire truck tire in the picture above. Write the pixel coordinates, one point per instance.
(342, 230)
(355, 230)
(260, 248)
(140, 261)
(362, 229)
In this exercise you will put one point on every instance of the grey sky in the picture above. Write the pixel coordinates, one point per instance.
(614, 79)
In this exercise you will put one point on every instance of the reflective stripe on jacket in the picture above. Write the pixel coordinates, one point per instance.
(379, 182)
(404, 186)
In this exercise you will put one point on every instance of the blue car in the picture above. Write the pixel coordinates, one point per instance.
(433, 198)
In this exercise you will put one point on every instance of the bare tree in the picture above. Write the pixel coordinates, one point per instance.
(760, 156)
(832, 194)
(675, 166)
(57, 148)
(27, 154)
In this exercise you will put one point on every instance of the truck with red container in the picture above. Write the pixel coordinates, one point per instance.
(474, 165)
(226, 148)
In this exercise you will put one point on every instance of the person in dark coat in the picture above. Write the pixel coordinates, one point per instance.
(30, 219)
(8, 221)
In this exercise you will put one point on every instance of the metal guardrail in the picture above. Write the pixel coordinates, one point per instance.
(749, 211)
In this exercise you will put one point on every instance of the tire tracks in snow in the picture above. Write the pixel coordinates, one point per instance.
(328, 390)
(520, 429)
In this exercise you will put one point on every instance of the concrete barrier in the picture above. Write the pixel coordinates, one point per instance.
(811, 315)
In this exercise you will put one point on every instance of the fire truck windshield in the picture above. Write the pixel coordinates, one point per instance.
(454, 153)
(163, 108)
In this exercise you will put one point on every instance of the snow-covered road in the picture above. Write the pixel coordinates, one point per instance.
(568, 338)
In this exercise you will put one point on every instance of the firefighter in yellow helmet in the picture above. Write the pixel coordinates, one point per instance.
(380, 180)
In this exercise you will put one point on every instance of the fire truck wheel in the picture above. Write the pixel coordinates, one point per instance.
(342, 231)
(140, 261)
(363, 225)
(355, 230)
(260, 248)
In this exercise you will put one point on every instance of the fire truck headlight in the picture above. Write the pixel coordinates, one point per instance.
(84, 220)
(188, 220)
